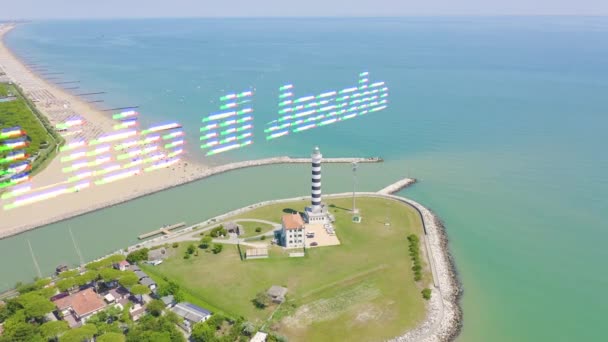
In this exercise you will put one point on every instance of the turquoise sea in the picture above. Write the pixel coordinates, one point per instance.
(503, 121)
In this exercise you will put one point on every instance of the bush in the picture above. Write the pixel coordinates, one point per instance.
(426, 293)
(138, 255)
(263, 237)
(191, 249)
(205, 242)
(261, 300)
(414, 249)
(258, 229)
(217, 248)
(175, 245)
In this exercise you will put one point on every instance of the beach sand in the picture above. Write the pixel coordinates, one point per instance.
(57, 105)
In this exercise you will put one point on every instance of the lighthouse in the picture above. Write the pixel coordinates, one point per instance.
(316, 180)
(317, 212)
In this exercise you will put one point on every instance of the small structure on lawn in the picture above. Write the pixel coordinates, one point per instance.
(256, 253)
(136, 311)
(259, 337)
(277, 293)
(232, 227)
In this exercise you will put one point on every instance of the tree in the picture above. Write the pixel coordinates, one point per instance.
(68, 274)
(128, 279)
(66, 284)
(190, 249)
(35, 306)
(426, 293)
(52, 329)
(205, 242)
(202, 332)
(156, 307)
(138, 255)
(111, 337)
(83, 333)
(261, 300)
(139, 289)
(21, 332)
(109, 274)
(248, 328)
(217, 248)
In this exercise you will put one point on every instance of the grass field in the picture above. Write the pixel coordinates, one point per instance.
(251, 226)
(19, 113)
(361, 290)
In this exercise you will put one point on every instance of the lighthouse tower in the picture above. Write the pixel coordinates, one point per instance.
(317, 212)
(316, 180)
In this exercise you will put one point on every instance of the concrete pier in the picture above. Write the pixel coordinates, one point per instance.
(164, 230)
(397, 186)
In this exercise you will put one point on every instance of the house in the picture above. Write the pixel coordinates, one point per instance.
(232, 227)
(122, 266)
(191, 314)
(259, 337)
(136, 311)
(80, 306)
(169, 300)
(292, 231)
(117, 295)
(277, 293)
(148, 282)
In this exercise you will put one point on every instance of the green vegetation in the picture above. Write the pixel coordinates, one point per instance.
(42, 137)
(254, 228)
(415, 254)
(426, 293)
(261, 300)
(138, 255)
(219, 328)
(363, 288)
(205, 242)
(218, 231)
(217, 248)
(156, 307)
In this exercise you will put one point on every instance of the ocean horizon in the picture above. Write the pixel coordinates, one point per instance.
(501, 119)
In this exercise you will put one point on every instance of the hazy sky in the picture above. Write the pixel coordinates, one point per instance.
(31, 9)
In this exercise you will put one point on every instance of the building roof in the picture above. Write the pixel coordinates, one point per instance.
(147, 281)
(259, 337)
(82, 302)
(124, 263)
(141, 274)
(191, 312)
(292, 221)
(168, 300)
(277, 291)
(119, 292)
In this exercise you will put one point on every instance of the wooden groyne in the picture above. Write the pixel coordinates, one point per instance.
(164, 230)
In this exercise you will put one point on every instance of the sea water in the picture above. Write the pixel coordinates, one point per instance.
(502, 120)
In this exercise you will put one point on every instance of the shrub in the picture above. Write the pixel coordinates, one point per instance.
(426, 293)
(263, 237)
(175, 245)
(258, 229)
(191, 249)
(261, 300)
(205, 242)
(217, 248)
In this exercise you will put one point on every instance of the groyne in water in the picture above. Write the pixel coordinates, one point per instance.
(203, 173)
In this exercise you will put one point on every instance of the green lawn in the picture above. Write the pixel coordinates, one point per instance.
(251, 226)
(363, 289)
(19, 113)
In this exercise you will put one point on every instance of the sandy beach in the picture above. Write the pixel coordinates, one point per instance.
(57, 105)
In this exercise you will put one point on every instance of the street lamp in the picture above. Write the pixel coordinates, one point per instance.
(354, 167)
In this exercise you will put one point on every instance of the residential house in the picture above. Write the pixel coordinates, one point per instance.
(136, 311)
(169, 300)
(79, 306)
(191, 314)
(277, 293)
(122, 266)
(292, 232)
(148, 282)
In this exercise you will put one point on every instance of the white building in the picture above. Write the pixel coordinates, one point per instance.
(292, 232)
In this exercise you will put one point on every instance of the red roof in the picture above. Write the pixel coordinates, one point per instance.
(83, 302)
(293, 221)
(124, 263)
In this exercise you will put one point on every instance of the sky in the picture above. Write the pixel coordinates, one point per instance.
(73, 9)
